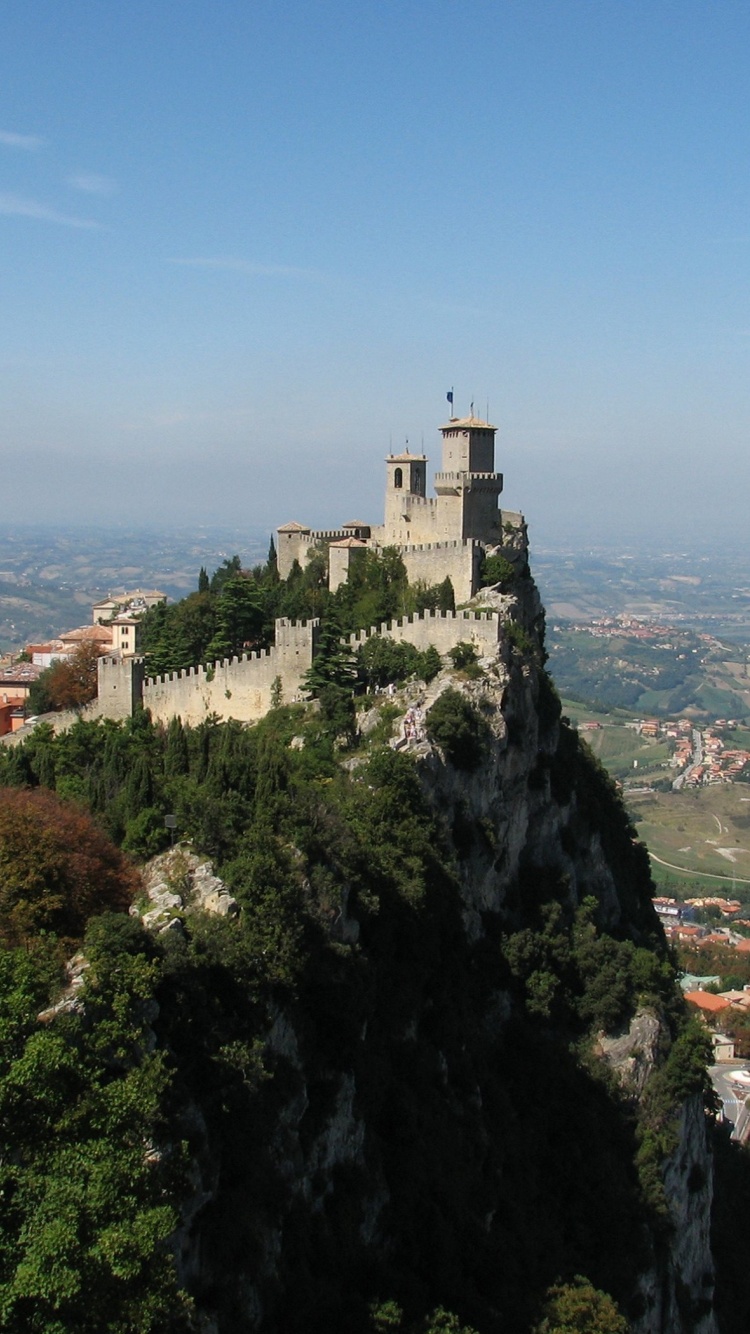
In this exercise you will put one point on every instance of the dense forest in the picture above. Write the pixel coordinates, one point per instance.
(191, 1083)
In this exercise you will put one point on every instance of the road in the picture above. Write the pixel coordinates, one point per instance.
(733, 1093)
(695, 870)
(695, 761)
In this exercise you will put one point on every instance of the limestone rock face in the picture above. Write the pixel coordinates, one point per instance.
(70, 1001)
(678, 1291)
(179, 881)
(632, 1055)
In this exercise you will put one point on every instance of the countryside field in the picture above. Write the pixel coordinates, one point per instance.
(699, 840)
(625, 754)
(700, 831)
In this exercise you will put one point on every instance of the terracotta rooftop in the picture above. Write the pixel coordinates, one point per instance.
(706, 1000)
(293, 527)
(19, 673)
(97, 634)
(349, 542)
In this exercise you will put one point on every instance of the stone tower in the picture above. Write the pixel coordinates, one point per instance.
(468, 486)
(405, 489)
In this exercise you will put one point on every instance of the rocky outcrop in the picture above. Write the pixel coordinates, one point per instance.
(177, 882)
(632, 1055)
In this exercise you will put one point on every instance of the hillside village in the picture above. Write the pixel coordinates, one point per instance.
(115, 630)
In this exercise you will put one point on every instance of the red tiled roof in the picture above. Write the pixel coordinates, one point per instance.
(705, 1000)
(98, 634)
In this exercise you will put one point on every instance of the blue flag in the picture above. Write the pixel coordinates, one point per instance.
(449, 397)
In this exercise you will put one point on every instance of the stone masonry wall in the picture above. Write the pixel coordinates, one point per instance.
(431, 564)
(442, 629)
(239, 688)
(245, 688)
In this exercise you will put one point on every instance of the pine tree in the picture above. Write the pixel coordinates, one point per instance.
(272, 564)
(334, 662)
(176, 754)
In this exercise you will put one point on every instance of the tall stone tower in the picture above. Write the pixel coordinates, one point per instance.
(405, 491)
(468, 486)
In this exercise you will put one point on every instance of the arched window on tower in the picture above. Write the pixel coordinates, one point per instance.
(398, 478)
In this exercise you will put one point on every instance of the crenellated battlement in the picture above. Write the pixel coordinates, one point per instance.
(441, 629)
(246, 686)
(428, 615)
(459, 543)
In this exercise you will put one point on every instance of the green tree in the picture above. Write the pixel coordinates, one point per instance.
(271, 571)
(334, 662)
(580, 1308)
(239, 618)
(455, 725)
(86, 1189)
(229, 569)
(497, 570)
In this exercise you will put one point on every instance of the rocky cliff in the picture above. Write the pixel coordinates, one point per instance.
(472, 1081)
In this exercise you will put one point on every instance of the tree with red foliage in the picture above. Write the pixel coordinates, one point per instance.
(69, 683)
(57, 869)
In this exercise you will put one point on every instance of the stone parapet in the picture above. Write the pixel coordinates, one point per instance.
(442, 630)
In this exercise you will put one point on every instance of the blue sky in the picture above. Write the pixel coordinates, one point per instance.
(243, 246)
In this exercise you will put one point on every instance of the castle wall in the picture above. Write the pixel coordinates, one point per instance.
(441, 629)
(340, 562)
(419, 519)
(298, 546)
(246, 688)
(240, 688)
(481, 517)
(119, 683)
(433, 562)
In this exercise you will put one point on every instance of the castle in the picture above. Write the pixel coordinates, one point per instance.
(445, 536)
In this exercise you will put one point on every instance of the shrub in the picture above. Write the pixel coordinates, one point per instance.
(454, 724)
(580, 1308)
(463, 655)
(497, 570)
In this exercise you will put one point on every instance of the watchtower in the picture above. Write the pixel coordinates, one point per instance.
(406, 482)
(468, 486)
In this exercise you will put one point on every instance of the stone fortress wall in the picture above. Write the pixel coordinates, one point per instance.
(246, 688)
(432, 562)
(241, 688)
(442, 629)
